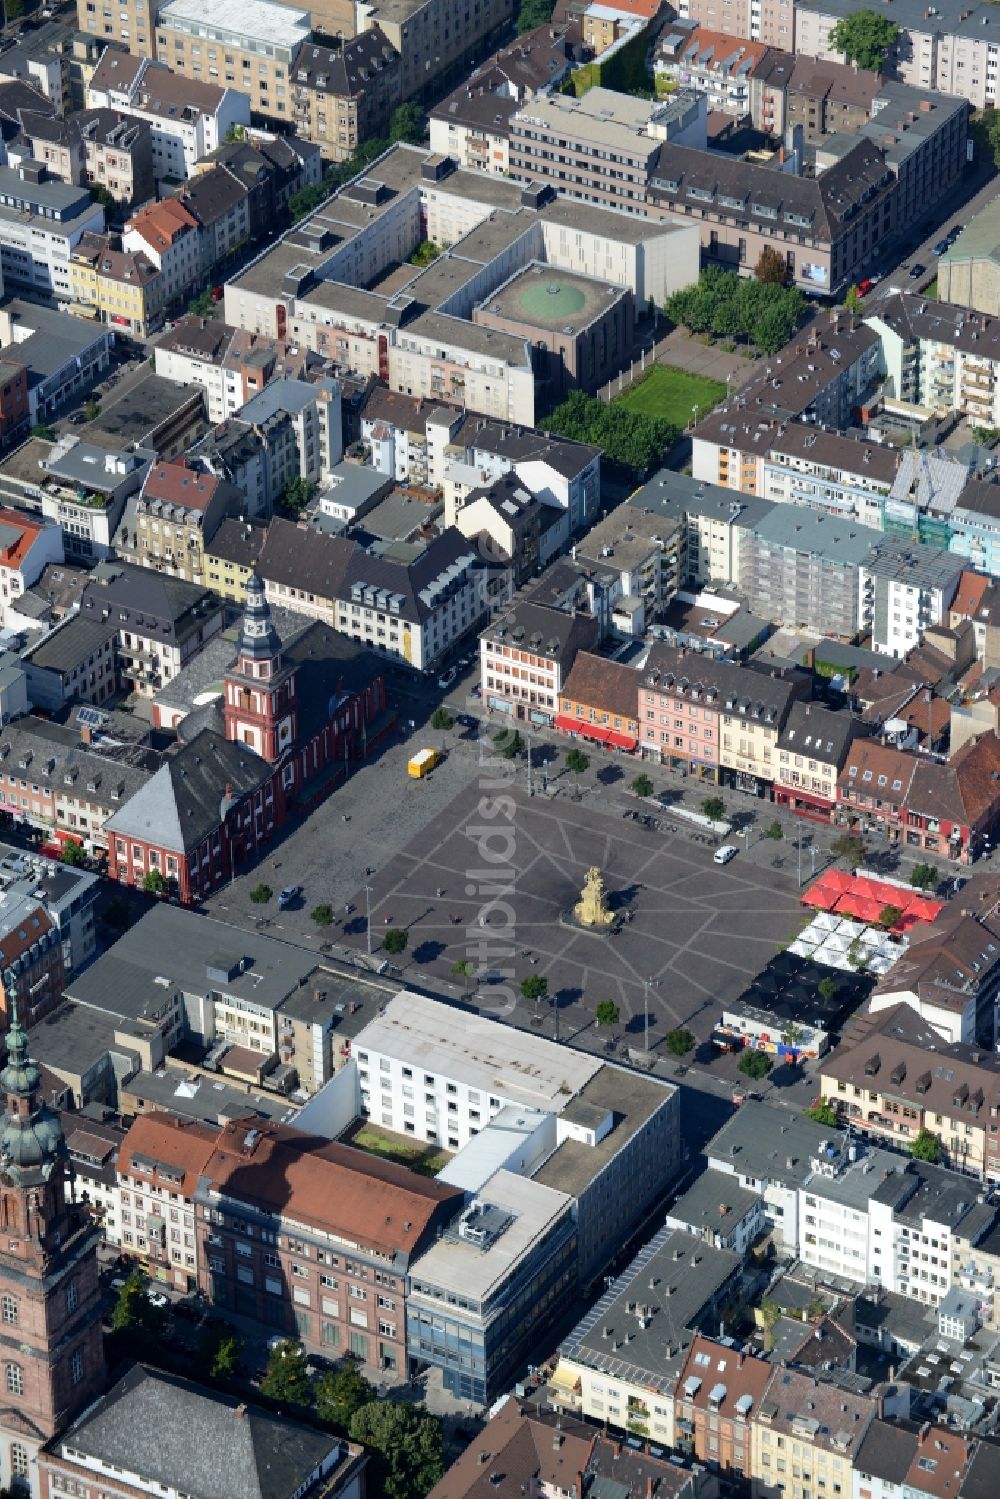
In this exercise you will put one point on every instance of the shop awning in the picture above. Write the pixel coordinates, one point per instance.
(622, 741)
(566, 724)
(565, 1379)
(579, 726)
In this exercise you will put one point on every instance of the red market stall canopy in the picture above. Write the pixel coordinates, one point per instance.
(859, 896)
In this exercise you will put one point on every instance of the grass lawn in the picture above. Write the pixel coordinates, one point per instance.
(421, 1158)
(671, 393)
(930, 290)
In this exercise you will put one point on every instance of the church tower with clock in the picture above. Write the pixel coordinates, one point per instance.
(260, 706)
(51, 1349)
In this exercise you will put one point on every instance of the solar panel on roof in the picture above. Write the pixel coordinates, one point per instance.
(89, 718)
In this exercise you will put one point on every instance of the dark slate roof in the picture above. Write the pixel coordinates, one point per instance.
(818, 732)
(182, 946)
(519, 444)
(196, 1441)
(413, 582)
(169, 606)
(349, 71)
(546, 632)
(305, 559)
(982, 1476)
(181, 805)
(821, 205)
(326, 664)
(72, 642)
(212, 195)
(57, 759)
(238, 541)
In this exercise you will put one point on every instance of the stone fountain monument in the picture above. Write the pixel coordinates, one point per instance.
(591, 910)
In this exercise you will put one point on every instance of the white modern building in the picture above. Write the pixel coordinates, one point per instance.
(41, 223)
(512, 1101)
(313, 407)
(441, 1077)
(188, 118)
(906, 588)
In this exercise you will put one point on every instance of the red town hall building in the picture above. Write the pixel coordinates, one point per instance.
(51, 1352)
(293, 715)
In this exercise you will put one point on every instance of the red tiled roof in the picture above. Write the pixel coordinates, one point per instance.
(178, 484)
(321, 1182)
(969, 595)
(181, 1143)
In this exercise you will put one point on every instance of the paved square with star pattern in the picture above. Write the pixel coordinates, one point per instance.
(700, 931)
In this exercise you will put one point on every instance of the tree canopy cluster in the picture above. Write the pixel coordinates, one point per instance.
(533, 13)
(733, 306)
(865, 38)
(405, 1441)
(628, 437)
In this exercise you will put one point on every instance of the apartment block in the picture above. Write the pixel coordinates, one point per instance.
(884, 1083)
(346, 97)
(188, 118)
(66, 790)
(436, 42)
(836, 472)
(41, 222)
(601, 148)
(159, 1164)
(737, 77)
(769, 21)
(741, 207)
(675, 1287)
(805, 1427)
(812, 749)
(93, 147)
(170, 237)
(525, 657)
(827, 97)
(249, 45)
(161, 621)
(945, 47)
(718, 720)
(121, 288)
(805, 568)
(178, 508)
(906, 588)
(315, 1241)
(719, 1394)
(941, 356)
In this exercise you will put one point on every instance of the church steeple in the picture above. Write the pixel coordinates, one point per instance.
(261, 708)
(258, 638)
(32, 1144)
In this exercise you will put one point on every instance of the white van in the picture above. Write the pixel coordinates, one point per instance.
(725, 853)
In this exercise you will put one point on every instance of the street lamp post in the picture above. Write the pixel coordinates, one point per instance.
(646, 985)
(368, 917)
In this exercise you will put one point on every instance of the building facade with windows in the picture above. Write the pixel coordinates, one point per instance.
(526, 656)
(315, 1241)
(159, 1164)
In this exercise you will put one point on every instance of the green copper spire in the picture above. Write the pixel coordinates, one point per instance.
(31, 1137)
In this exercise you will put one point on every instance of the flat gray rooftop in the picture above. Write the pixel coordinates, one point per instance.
(172, 949)
(672, 1279)
(631, 1098)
